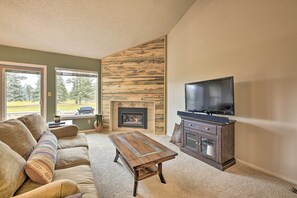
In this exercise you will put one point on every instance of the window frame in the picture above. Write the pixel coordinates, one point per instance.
(23, 66)
(74, 117)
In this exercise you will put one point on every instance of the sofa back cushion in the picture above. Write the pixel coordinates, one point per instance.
(12, 171)
(16, 135)
(35, 123)
(41, 163)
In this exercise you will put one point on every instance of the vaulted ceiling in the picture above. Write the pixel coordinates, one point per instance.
(88, 28)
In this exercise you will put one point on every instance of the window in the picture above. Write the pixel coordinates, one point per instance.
(77, 92)
(22, 90)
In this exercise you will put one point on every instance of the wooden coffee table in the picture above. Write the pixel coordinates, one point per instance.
(141, 154)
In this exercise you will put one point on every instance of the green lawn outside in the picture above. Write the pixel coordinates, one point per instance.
(22, 106)
(71, 106)
(28, 106)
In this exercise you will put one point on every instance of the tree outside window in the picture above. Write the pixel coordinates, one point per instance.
(22, 92)
(76, 92)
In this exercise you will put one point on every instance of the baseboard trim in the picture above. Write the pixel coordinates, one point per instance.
(294, 181)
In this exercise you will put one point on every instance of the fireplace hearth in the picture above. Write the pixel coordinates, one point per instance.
(132, 117)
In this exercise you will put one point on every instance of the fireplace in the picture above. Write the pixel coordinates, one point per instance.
(132, 117)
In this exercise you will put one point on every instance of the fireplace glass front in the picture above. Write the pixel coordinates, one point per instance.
(132, 117)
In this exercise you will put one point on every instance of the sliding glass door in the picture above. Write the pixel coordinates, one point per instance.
(22, 91)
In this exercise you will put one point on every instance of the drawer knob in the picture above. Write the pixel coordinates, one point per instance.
(190, 124)
(207, 128)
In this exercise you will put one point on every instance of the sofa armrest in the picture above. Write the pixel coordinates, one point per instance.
(65, 131)
(57, 189)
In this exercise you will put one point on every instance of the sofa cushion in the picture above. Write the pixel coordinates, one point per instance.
(12, 171)
(72, 157)
(28, 185)
(80, 140)
(41, 163)
(17, 136)
(35, 123)
(82, 175)
(78, 195)
(60, 188)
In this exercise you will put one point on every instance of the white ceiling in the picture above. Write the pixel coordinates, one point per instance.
(88, 28)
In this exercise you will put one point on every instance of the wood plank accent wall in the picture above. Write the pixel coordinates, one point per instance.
(136, 74)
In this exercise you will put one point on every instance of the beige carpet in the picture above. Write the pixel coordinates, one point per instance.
(186, 176)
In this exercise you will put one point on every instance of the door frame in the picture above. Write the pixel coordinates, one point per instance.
(15, 65)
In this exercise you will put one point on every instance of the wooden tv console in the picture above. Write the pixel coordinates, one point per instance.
(210, 142)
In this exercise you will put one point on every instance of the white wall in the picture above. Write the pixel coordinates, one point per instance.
(256, 42)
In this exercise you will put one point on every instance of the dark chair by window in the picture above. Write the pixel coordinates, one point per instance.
(85, 110)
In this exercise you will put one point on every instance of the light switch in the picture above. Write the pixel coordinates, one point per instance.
(49, 93)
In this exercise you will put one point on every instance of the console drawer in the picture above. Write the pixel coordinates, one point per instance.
(208, 128)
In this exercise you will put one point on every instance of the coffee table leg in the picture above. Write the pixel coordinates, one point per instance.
(160, 173)
(135, 182)
(117, 156)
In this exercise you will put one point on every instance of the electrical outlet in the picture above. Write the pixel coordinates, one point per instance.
(89, 121)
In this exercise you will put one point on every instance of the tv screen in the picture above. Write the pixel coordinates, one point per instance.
(212, 96)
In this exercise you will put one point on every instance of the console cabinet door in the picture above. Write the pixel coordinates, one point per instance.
(208, 146)
(191, 140)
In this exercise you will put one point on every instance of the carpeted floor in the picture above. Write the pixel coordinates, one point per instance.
(186, 176)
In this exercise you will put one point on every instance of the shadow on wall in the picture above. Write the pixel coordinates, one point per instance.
(257, 144)
(269, 99)
(267, 144)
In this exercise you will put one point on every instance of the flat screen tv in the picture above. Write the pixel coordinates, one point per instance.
(211, 96)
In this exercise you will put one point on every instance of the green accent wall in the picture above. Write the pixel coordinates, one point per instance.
(53, 60)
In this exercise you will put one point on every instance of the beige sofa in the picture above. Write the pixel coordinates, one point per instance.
(72, 175)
